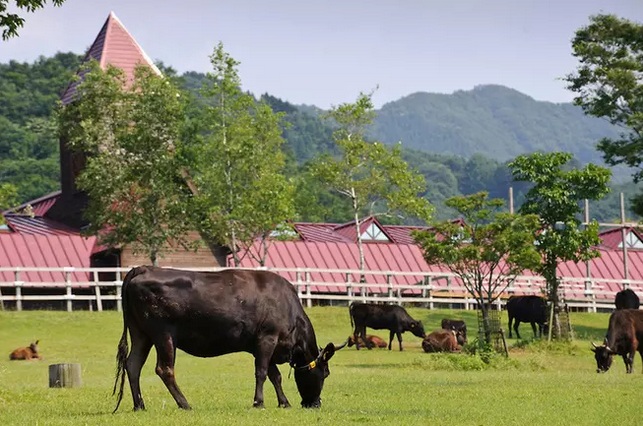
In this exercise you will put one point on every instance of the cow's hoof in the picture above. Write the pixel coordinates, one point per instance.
(258, 404)
(284, 404)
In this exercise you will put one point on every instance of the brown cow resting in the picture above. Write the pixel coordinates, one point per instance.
(30, 352)
(441, 341)
(371, 339)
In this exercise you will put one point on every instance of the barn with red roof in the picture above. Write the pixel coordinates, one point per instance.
(46, 232)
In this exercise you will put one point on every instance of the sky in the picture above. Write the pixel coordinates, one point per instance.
(326, 52)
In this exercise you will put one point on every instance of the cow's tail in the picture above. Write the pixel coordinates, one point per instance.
(123, 348)
(350, 313)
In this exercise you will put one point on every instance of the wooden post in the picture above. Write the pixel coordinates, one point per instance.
(64, 376)
(99, 301)
(309, 301)
(18, 285)
(68, 293)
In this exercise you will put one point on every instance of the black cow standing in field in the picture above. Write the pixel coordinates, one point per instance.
(208, 314)
(624, 335)
(626, 299)
(458, 326)
(531, 309)
(391, 317)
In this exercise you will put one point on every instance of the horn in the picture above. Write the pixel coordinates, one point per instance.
(594, 345)
(342, 345)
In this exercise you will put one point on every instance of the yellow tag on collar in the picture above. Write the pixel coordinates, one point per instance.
(312, 365)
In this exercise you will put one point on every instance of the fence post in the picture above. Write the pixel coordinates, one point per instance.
(300, 294)
(349, 285)
(18, 284)
(99, 301)
(429, 283)
(389, 284)
(68, 294)
(119, 293)
(309, 302)
(589, 291)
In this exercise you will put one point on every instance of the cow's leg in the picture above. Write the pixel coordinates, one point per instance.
(141, 346)
(265, 349)
(275, 378)
(356, 336)
(516, 324)
(362, 333)
(628, 359)
(399, 339)
(165, 356)
(510, 321)
(390, 339)
(533, 328)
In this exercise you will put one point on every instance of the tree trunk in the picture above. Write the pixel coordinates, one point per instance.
(552, 295)
(486, 324)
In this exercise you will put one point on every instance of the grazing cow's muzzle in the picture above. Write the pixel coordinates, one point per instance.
(314, 404)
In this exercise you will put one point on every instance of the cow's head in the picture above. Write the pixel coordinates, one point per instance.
(417, 328)
(34, 347)
(603, 355)
(310, 376)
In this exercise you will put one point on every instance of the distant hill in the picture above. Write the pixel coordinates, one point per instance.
(492, 120)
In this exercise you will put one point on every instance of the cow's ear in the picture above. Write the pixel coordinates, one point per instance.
(298, 357)
(328, 352)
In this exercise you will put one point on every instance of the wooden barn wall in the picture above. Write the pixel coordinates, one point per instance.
(178, 257)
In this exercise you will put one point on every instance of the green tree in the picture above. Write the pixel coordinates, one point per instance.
(555, 197)
(237, 165)
(8, 196)
(10, 22)
(486, 252)
(608, 84)
(129, 134)
(372, 176)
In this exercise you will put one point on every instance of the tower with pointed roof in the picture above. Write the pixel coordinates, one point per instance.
(114, 46)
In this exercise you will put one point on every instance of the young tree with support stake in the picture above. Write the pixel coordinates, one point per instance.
(555, 197)
(373, 177)
(129, 133)
(486, 252)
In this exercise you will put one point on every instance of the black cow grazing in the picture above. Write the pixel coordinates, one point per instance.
(441, 341)
(626, 299)
(623, 336)
(208, 314)
(459, 327)
(391, 317)
(531, 309)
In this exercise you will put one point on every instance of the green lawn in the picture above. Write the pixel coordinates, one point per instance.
(538, 384)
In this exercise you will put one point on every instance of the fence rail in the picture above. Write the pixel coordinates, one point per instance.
(100, 288)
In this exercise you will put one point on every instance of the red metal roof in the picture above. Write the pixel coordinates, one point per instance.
(39, 206)
(30, 250)
(38, 225)
(113, 45)
(612, 238)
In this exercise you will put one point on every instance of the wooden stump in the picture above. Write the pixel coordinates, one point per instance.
(64, 376)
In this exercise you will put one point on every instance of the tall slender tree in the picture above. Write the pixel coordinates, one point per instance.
(609, 83)
(237, 165)
(373, 177)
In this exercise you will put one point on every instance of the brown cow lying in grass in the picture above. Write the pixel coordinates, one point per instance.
(30, 352)
(371, 341)
(441, 341)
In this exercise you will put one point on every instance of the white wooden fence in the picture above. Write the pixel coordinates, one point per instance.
(86, 288)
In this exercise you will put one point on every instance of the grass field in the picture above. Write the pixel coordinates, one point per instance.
(539, 383)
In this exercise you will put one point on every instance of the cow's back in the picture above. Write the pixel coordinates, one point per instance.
(527, 308)
(377, 316)
(626, 299)
(231, 307)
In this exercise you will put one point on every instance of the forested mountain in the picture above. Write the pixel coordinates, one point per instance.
(495, 121)
(459, 142)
